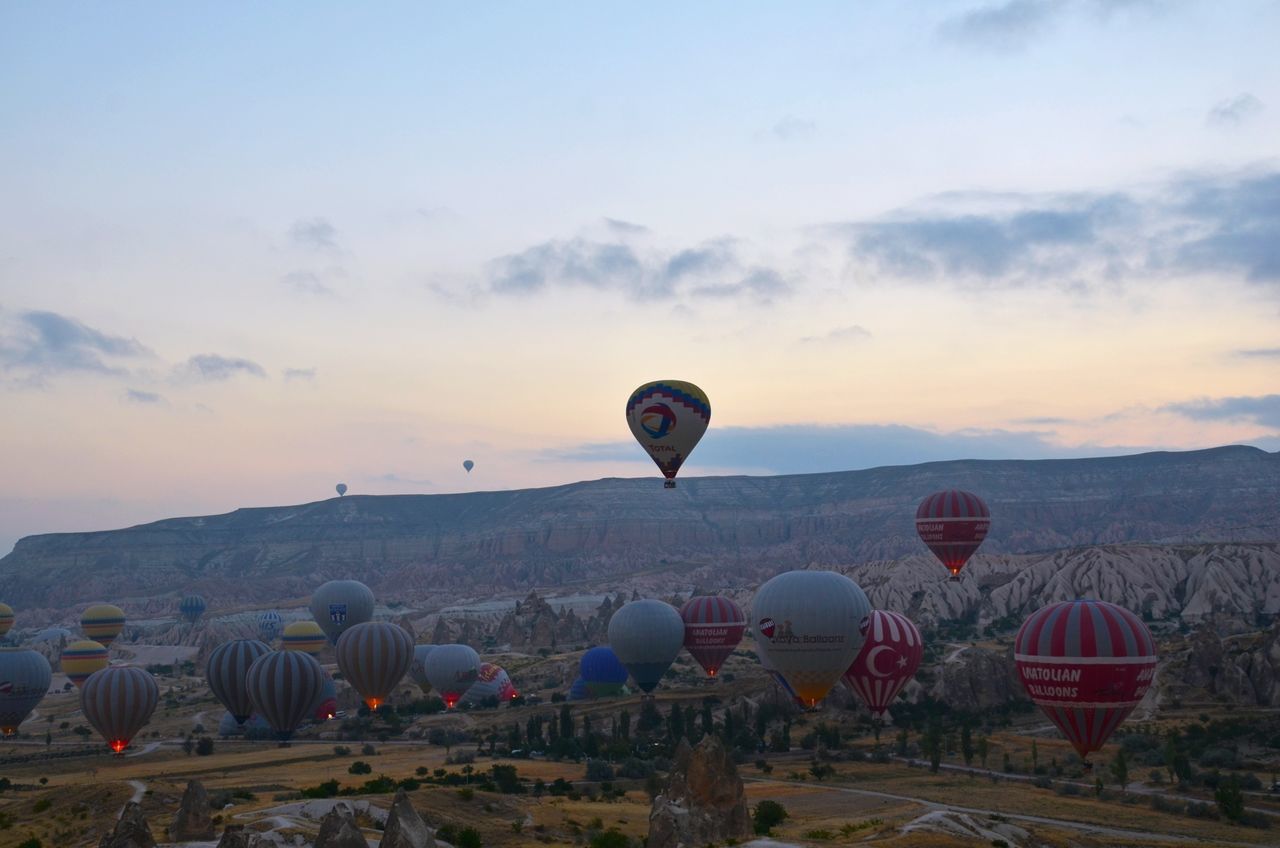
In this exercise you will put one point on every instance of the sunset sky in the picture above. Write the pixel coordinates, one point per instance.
(248, 251)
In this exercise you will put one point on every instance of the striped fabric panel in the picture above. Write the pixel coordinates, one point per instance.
(228, 670)
(374, 657)
(118, 701)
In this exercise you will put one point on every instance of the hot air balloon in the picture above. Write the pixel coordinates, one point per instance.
(6, 619)
(418, 668)
(777, 677)
(102, 623)
(374, 657)
(341, 489)
(226, 671)
(578, 691)
(890, 656)
(341, 604)
(255, 726)
(808, 622)
(327, 705)
(602, 672)
(713, 627)
(646, 635)
(285, 686)
(81, 659)
(270, 623)
(24, 680)
(668, 417)
(468, 464)
(492, 682)
(118, 701)
(305, 636)
(953, 525)
(192, 607)
(452, 669)
(1086, 664)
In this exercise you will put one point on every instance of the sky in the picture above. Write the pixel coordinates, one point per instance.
(248, 251)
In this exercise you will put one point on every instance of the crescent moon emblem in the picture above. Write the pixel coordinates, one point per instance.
(871, 660)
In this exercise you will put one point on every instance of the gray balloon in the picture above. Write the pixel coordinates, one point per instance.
(809, 625)
(418, 668)
(24, 680)
(340, 605)
(451, 669)
(646, 635)
(341, 489)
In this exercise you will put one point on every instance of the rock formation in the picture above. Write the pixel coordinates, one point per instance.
(534, 624)
(977, 679)
(405, 828)
(1240, 669)
(236, 836)
(703, 803)
(131, 831)
(338, 829)
(194, 819)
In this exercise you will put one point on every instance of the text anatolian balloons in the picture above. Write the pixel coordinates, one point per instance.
(1086, 664)
(418, 669)
(646, 635)
(285, 688)
(713, 627)
(889, 658)
(953, 525)
(668, 417)
(808, 623)
(24, 680)
(451, 669)
(374, 657)
(81, 659)
(227, 671)
(341, 604)
(118, 702)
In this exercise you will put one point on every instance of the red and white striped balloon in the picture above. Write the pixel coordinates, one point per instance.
(713, 627)
(953, 524)
(889, 658)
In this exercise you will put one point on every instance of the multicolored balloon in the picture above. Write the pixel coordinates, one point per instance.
(374, 657)
(305, 636)
(118, 701)
(646, 635)
(713, 627)
(889, 658)
(102, 623)
(809, 623)
(270, 623)
(452, 669)
(341, 604)
(668, 417)
(492, 682)
(81, 659)
(24, 681)
(1086, 664)
(285, 687)
(227, 670)
(953, 524)
(6, 619)
(191, 607)
(418, 669)
(602, 672)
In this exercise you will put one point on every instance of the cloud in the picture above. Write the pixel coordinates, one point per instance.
(403, 481)
(852, 333)
(141, 397)
(1260, 353)
(791, 128)
(1234, 226)
(314, 233)
(210, 367)
(305, 282)
(760, 283)
(1003, 26)
(625, 228)
(41, 343)
(291, 374)
(1234, 111)
(1258, 409)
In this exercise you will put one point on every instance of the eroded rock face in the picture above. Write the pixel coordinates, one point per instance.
(195, 818)
(405, 828)
(977, 679)
(236, 836)
(131, 831)
(338, 829)
(704, 802)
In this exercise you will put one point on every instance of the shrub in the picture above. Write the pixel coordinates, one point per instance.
(599, 770)
(341, 751)
(469, 837)
(205, 746)
(767, 815)
(359, 767)
(41, 805)
(611, 838)
(368, 750)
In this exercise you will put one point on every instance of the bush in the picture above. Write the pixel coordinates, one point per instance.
(359, 767)
(41, 805)
(31, 843)
(599, 770)
(611, 838)
(469, 837)
(341, 751)
(767, 815)
(368, 750)
(205, 746)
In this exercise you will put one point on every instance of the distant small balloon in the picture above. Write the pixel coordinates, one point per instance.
(468, 464)
(342, 489)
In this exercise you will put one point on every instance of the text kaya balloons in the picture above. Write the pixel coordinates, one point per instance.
(81, 659)
(341, 604)
(953, 525)
(191, 607)
(284, 688)
(270, 624)
(374, 657)
(418, 668)
(305, 636)
(890, 657)
(227, 671)
(6, 619)
(810, 625)
(102, 623)
(24, 680)
(602, 672)
(468, 464)
(1086, 664)
(713, 627)
(646, 635)
(668, 417)
(341, 489)
(118, 702)
(451, 669)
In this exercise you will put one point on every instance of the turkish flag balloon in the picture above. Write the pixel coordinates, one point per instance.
(713, 627)
(953, 525)
(888, 659)
(1086, 664)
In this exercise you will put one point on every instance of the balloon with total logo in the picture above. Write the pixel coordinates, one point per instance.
(374, 656)
(713, 627)
(24, 680)
(118, 701)
(889, 658)
(81, 659)
(953, 524)
(668, 418)
(646, 635)
(340, 605)
(228, 670)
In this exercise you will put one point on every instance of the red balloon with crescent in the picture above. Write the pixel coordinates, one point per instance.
(953, 524)
(889, 658)
(713, 627)
(1086, 664)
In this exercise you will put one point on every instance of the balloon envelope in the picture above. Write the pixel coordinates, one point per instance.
(890, 656)
(192, 607)
(270, 623)
(418, 668)
(646, 635)
(227, 671)
(284, 687)
(327, 702)
(579, 691)
(667, 418)
(713, 627)
(254, 726)
(6, 619)
(808, 622)
(305, 636)
(492, 682)
(102, 623)
(602, 672)
(468, 464)
(81, 659)
(341, 488)
(953, 524)
(374, 657)
(452, 669)
(24, 680)
(341, 604)
(1086, 664)
(118, 701)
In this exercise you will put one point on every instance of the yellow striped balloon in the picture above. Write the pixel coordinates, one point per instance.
(6, 619)
(303, 636)
(81, 659)
(102, 623)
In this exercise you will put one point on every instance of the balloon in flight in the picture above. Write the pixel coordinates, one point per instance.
(468, 464)
(81, 659)
(578, 691)
(809, 623)
(777, 677)
(713, 627)
(1086, 664)
(451, 670)
(953, 524)
(305, 636)
(227, 671)
(327, 702)
(102, 623)
(341, 489)
(284, 688)
(24, 680)
(418, 668)
(646, 635)
(118, 701)
(492, 682)
(890, 656)
(374, 657)
(270, 623)
(602, 672)
(192, 607)
(6, 619)
(667, 418)
(341, 604)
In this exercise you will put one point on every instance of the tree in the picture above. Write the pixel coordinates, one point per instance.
(675, 724)
(624, 725)
(708, 720)
(1230, 799)
(204, 747)
(1035, 756)
(966, 745)
(469, 837)
(566, 722)
(933, 743)
(767, 815)
(984, 749)
(902, 742)
(359, 767)
(611, 838)
(1120, 769)
(188, 746)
